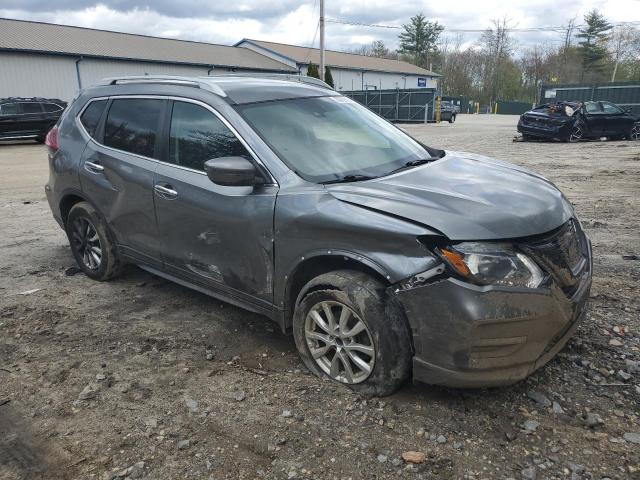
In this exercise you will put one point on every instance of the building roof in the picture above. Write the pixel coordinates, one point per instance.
(62, 39)
(304, 55)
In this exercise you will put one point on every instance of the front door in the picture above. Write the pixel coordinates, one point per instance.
(117, 171)
(216, 236)
(594, 118)
(9, 119)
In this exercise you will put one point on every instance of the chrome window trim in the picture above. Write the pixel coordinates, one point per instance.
(179, 99)
(79, 122)
(60, 107)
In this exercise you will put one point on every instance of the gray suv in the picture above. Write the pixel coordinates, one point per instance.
(384, 257)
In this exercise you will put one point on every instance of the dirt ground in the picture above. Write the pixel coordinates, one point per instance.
(139, 377)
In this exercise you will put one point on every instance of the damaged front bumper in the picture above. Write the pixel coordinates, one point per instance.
(471, 336)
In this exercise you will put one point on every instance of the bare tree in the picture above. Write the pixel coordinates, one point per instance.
(377, 48)
(623, 44)
(497, 46)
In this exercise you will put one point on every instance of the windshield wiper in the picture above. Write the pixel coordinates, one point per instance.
(413, 163)
(348, 179)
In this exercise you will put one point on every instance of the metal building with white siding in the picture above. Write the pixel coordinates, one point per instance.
(350, 71)
(48, 60)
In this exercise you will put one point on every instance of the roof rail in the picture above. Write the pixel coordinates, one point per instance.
(296, 77)
(166, 79)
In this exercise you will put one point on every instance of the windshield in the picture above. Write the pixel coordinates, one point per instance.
(324, 139)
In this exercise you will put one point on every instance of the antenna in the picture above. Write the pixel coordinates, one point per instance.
(322, 40)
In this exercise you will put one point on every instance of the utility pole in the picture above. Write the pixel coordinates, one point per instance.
(322, 40)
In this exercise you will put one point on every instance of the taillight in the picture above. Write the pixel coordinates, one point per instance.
(51, 140)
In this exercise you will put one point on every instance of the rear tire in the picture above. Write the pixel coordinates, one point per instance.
(376, 360)
(91, 243)
(634, 132)
(452, 119)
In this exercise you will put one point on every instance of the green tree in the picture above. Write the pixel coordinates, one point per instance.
(419, 39)
(593, 45)
(328, 78)
(312, 70)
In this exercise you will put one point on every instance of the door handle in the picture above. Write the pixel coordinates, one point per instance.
(93, 167)
(165, 192)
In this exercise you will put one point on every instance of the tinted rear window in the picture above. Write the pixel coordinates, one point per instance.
(91, 116)
(132, 125)
(31, 108)
(51, 107)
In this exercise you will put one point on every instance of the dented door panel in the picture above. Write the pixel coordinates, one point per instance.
(215, 235)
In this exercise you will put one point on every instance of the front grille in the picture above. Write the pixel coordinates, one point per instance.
(563, 254)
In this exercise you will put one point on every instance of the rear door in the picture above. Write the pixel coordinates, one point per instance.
(215, 236)
(615, 122)
(117, 170)
(33, 118)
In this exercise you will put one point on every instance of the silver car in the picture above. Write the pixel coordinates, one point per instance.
(385, 258)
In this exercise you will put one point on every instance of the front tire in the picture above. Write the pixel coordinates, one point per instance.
(346, 328)
(452, 119)
(91, 243)
(634, 133)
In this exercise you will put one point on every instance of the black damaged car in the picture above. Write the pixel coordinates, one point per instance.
(575, 121)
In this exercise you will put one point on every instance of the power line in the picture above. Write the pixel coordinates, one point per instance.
(471, 30)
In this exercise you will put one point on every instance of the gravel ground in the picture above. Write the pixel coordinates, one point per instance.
(140, 377)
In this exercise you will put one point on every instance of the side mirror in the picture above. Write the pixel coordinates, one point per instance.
(231, 171)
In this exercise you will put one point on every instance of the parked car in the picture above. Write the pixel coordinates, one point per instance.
(28, 118)
(384, 257)
(575, 121)
(448, 111)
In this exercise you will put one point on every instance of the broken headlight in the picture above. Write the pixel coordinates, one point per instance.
(492, 264)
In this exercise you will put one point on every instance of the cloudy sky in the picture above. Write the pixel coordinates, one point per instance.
(295, 21)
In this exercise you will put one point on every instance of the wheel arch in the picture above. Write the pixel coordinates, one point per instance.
(67, 202)
(318, 263)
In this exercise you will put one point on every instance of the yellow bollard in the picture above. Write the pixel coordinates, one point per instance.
(437, 118)
(495, 109)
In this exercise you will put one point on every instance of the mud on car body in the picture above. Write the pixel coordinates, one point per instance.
(384, 257)
(575, 121)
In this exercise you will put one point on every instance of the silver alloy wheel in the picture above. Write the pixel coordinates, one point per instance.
(339, 342)
(576, 134)
(635, 132)
(86, 242)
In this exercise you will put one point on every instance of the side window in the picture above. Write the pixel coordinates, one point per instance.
(31, 108)
(132, 125)
(51, 107)
(9, 109)
(91, 116)
(197, 135)
(610, 108)
(592, 107)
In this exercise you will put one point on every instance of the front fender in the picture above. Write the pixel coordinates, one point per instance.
(312, 223)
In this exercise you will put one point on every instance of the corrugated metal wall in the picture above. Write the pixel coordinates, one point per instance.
(27, 75)
(54, 76)
(92, 70)
(624, 94)
(398, 105)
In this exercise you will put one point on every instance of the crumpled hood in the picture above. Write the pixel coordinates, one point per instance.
(466, 197)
